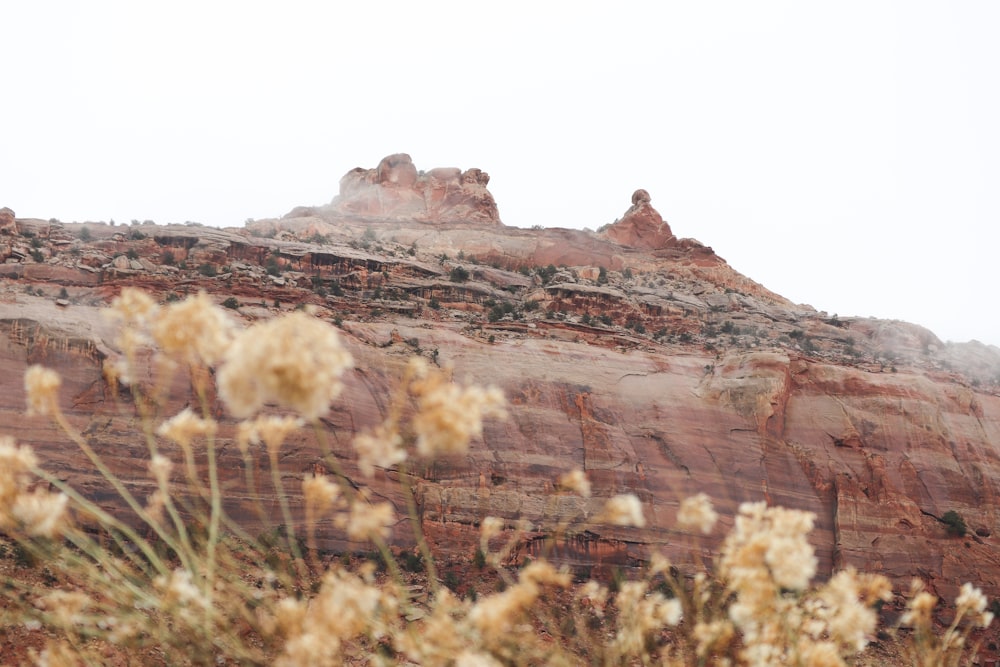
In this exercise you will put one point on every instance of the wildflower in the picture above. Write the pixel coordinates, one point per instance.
(971, 600)
(493, 616)
(577, 482)
(344, 607)
(132, 306)
(658, 563)
(272, 430)
(712, 637)
(156, 502)
(476, 659)
(15, 465)
(42, 514)
(623, 510)
(596, 596)
(382, 448)
(696, 513)
(449, 416)
(183, 427)
(918, 607)
(542, 572)
(488, 528)
(771, 541)
(42, 386)
(181, 595)
(55, 654)
(194, 330)
(641, 615)
(820, 654)
(66, 607)
(289, 614)
(846, 618)
(246, 433)
(160, 467)
(295, 361)
(368, 522)
(320, 493)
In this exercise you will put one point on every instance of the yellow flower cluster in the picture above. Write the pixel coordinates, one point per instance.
(193, 331)
(185, 426)
(294, 361)
(492, 617)
(37, 512)
(345, 607)
(576, 481)
(42, 387)
(448, 415)
(623, 510)
(696, 513)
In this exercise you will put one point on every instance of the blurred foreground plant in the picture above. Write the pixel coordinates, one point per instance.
(176, 580)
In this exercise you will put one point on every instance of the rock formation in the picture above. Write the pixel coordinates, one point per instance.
(641, 227)
(647, 362)
(7, 223)
(396, 190)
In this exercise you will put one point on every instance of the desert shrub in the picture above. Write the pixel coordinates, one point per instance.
(955, 523)
(85, 234)
(167, 257)
(37, 256)
(173, 573)
(232, 303)
(208, 270)
(458, 274)
(546, 273)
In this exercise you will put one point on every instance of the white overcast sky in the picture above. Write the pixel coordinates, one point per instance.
(844, 154)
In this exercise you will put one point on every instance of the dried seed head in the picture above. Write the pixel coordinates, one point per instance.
(185, 426)
(194, 331)
(623, 510)
(576, 481)
(696, 513)
(383, 448)
(294, 361)
(42, 387)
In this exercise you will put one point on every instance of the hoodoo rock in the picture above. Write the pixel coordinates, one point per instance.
(7, 221)
(396, 190)
(642, 226)
(645, 361)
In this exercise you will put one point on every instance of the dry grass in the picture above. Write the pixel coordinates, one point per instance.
(180, 583)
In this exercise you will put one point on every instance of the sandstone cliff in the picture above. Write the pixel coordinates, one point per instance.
(647, 361)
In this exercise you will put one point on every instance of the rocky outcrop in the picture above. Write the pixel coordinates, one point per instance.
(651, 364)
(7, 221)
(396, 190)
(641, 227)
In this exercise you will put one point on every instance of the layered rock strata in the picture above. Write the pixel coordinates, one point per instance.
(649, 363)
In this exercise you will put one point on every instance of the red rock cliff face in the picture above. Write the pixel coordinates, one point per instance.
(673, 377)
